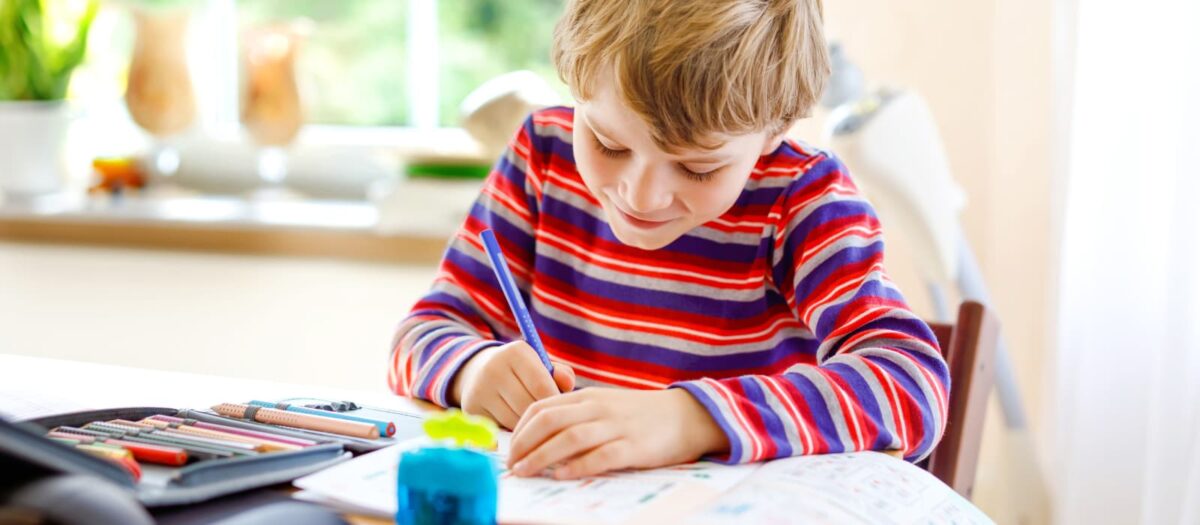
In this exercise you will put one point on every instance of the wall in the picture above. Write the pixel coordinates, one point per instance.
(985, 68)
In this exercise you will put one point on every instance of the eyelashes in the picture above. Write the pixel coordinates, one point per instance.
(622, 153)
(611, 153)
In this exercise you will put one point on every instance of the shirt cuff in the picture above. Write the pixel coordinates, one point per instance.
(449, 359)
(718, 402)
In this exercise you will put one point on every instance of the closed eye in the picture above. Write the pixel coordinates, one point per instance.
(609, 152)
(698, 176)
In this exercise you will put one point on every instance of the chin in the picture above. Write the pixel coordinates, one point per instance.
(641, 241)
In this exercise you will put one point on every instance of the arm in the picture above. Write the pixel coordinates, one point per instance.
(880, 382)
(465, 311)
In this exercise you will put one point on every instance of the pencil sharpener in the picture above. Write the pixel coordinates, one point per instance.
(446, 485)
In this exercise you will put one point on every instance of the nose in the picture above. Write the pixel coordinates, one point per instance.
(645, 191)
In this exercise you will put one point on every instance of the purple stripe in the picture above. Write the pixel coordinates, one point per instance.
(822, 272)
(771, 421)
(866, 399)
(905, 383)
(568, 279)
(819, 411)
(667, 357)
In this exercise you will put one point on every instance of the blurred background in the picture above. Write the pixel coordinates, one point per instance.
(261, 188)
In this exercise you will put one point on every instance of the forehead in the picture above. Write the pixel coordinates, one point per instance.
(606, 113)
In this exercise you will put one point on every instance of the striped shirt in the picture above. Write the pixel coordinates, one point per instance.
(777, 316)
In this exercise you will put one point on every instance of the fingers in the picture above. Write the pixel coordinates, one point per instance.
(564, 377)
(612, 455)
(503, 414)
(513, 392)
(548, 403)
(540, 425)
(569, 443)
(532, 373)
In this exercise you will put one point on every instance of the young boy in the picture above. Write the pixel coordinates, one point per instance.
(670, 241)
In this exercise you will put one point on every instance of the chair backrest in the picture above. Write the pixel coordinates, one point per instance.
(969, 346)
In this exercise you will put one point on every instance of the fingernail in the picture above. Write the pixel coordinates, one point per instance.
(562, 473)
(519, 468)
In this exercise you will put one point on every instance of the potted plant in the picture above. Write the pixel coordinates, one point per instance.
(37, 57)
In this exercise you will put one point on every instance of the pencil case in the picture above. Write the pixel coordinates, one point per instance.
(160, 485)
(406, 425)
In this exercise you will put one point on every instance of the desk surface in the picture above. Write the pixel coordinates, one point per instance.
(35, 386)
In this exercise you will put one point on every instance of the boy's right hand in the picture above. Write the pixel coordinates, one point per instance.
(501, 382)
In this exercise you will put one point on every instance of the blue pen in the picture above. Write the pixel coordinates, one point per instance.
(515, 303)
(386, 428)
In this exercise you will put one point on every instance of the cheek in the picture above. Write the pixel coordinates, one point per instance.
(596, 170)
(714, 198)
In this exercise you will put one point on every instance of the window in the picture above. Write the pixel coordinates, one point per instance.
(405, 63)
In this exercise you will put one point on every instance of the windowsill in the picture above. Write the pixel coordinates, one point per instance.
(411, 225)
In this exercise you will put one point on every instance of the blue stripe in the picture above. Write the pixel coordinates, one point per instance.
(819, 411)
(770, 419)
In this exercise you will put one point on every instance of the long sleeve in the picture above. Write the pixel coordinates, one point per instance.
(877, 381)
(465, 310)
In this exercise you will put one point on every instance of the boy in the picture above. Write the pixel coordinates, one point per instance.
(669, 240)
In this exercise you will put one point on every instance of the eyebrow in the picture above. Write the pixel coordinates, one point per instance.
(599, 130)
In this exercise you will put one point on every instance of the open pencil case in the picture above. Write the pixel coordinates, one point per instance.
(198, 480)
(406, 425)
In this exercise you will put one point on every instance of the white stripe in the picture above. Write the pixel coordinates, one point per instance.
(708, 335)
(611, 375)
(584, 254)
(797, 420)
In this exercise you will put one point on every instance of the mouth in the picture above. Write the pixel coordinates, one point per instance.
(638, 222)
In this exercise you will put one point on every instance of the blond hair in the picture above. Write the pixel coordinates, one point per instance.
(694, 67)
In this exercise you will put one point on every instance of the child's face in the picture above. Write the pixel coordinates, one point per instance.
(652, 197)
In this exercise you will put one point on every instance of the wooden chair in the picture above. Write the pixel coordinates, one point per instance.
(969, 346)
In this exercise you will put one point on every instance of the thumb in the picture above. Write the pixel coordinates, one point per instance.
(564, 377)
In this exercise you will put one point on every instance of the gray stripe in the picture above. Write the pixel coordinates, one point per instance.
(552, 131)
(893, 313)
(790, 430)
(794, 222)
(559, 193)
(465, 298)
(736, 238)
(832, 403)
(496, 208)
(788, 331)
(829, 252)
(648, 283)
(880, 393)
(516, 160)
(829, 342)
(914, 373)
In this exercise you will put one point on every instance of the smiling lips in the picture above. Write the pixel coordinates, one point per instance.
(641, 223)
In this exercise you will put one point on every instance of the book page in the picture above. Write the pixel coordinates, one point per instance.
(863, 487)
(367, 485)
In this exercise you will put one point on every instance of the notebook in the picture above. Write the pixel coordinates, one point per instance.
(863, 487)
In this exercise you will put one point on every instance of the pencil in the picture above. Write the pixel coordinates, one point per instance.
(235, 430)
(386, 428)
(515, 303)
(292, 419)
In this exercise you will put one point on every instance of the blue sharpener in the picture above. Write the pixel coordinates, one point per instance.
(439, 485)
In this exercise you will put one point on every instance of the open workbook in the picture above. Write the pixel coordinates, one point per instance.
(864, 487)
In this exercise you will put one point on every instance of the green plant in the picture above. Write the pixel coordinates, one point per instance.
(34, 65)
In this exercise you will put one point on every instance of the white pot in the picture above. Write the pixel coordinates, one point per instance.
(32, 136)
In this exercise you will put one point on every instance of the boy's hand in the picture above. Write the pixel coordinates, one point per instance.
(501, 382)
(596, 430)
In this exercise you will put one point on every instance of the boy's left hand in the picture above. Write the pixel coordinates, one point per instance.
(595, 430)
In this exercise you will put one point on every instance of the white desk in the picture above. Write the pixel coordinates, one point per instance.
(35, 386)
